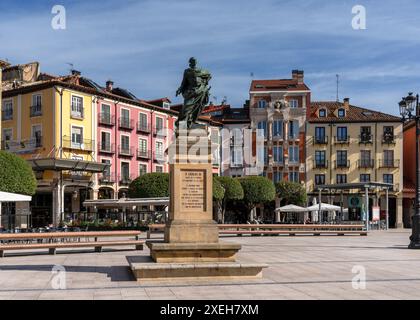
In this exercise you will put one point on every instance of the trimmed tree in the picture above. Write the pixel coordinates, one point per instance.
(16, 175)
(233, 191)
(150, 185)
(291, 193)
(218, 195)
(257, 190)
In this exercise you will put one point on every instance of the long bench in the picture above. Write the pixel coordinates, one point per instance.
(59, 240)
(280, 229)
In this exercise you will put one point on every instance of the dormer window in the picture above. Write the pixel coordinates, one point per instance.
(322, 113)
(262, 104)
(166, 105)
(341, 113)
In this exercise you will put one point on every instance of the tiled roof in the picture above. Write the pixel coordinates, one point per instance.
(277, 85)
(154, 101)
(353, 114)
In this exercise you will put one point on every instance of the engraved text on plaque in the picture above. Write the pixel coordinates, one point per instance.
(193, 193)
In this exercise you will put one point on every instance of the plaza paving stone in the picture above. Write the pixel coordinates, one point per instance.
(299, 268)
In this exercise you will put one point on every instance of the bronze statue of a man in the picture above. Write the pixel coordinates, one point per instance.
(195, 90)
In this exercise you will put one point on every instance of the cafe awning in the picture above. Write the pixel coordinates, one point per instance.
(66, 164)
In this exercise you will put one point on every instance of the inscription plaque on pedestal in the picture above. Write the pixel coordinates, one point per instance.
(193, 190)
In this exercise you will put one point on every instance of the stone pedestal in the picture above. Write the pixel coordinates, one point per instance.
(191, 247)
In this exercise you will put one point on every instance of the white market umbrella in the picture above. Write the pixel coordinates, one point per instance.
(324, 207)
(14, 197)
(291, 208)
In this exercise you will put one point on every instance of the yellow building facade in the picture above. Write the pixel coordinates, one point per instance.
(348, 144)
(50, 123)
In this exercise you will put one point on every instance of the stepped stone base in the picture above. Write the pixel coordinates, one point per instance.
(162, 252)
(152, 271)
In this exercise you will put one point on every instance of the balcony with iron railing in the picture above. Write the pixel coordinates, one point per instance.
(321, 140)
(143, 127)
(125, 123)
(84, 144)
(77, 113)
(365, 138)
(106, 147)
(389, 139)
(238, 165)
(106, 178)
(125, 179)
(160, 132)
(22, 145)
(341, 139)
(7, 115)
(144, 154)
(106, 119)
(366, 163)
(389, 163)
(35, 111)
(323, 164)
(278, 162)
(158, 156)
(342, 164)
(293, 137)
(125, 151)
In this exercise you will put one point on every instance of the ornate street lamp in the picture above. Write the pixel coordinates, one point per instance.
(409, 110)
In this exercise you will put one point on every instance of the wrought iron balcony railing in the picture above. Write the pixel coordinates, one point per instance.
(389, 163)
(106, 147)
(106, 178)
(7, 115)
(388, 139)
(78, 113)
(125, 179)
(321, 164)
(84, 144)
(144, 154)
(158, 156)
(366, 163)
(321, 139)
(160, 132)
(35, 111)
(342, 139)
(143, 127)
(106, 119)
(365, 138)
(125, 123)
(125, 151)
(342, 164)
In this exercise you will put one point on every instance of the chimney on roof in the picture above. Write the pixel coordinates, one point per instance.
(298, 76)
(75, 72)
(109, 85)
(346, 102)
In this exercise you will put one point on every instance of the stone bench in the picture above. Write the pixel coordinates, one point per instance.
(59, 240)
(292, 229)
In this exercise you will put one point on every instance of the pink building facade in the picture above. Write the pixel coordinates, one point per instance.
(132, 139)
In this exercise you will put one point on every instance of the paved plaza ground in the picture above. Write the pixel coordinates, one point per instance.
(299, 268)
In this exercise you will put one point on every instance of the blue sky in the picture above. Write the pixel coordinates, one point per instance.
(144, 45)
